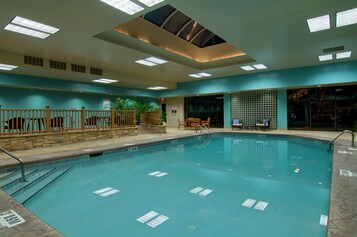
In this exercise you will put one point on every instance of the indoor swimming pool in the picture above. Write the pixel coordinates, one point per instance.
(208, 185)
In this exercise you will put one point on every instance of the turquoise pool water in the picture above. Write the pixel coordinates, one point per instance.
(196, 187)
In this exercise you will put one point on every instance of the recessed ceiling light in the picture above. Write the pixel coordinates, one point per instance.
(325, 57)
(34, 25)
(345, 18)
(155, 60)
(319, 23)
(26, 31)
(157, 88)
(204, 74)
(151, 3)
(248, 68)
(146, 63)
(7, 67)
(259, 66)
(126, 6)
(343, 55)
(104, 80)
(195, 75)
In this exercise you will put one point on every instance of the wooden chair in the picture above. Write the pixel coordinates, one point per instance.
(237, 123)
(181, 123)
(206, 122)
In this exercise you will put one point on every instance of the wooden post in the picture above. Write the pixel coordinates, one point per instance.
(47, 119)
(82, 117)
(112, 118)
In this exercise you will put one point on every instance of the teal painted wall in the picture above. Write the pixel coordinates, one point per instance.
(299, 77)
(282, 109)
(227, 110)
(38, 99)
(9, 80)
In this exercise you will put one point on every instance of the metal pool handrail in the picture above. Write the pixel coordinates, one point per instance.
(19, 160)
(345, 131)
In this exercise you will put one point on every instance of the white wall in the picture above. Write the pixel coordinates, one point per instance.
(177, 104)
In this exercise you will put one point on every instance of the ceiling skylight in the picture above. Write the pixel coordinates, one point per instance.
(345, 18)
(343, 55)
(319, 23)
(157, 88)
(7, 67)
(126, 6)
(248, 68)
(259, 66)
(34, 25)
(325, 57)
(155, 60)
(201, 74)
(151, 3)
(106, 81)
(146, 63)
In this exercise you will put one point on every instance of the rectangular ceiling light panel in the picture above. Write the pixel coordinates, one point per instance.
(259, 66)
(204, 74)
(155, 60)
(34, 25)
(151, 3)
(345, 18)
(26, 31)
(105, 80)
(325, 57)
(248, 68)
(343, 55)
(126, 6)
(7, 67)
(157, 88)
(319, 23)
(146, 63)
(195, 75)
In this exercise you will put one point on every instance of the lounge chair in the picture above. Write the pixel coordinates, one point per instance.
(237, 123)
(15, 124)
(91, 121)
(57, 122)
(263, 124)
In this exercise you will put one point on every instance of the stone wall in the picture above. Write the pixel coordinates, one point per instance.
(156, 129)
(24, 142)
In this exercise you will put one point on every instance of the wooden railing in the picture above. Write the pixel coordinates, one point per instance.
(31, 121)
(152, 117)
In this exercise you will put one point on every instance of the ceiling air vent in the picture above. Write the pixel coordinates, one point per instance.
(33, 61)
(78, 68)
(57, 65)
(96, 71)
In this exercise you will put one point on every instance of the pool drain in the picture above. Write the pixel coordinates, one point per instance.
(191, 227)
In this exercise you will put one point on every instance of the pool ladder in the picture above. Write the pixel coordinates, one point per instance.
(19, 160)
(204, 129)
(345, 131)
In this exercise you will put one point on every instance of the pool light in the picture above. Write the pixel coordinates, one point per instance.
(343, 55)
(151, 3)
(7, 67)
(319, 23)
(325, 57)
(345, 18)
(126, 6)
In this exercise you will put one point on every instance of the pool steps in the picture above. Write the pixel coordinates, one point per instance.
(37, 180)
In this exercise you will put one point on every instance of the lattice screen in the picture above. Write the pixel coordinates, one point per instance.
(255, 105)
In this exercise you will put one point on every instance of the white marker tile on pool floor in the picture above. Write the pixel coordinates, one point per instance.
(205, 192)
(196, 190)
(148, 216)
(154, 173)
(323, 220)
(158, 173)
(102, 190)
(260, 206)
(161, 174)
(106, 191)
(248, 203)
(157, 221)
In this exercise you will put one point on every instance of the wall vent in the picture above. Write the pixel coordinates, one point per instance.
(78, 68)
(96, 71)
(333, 49)
(57, 65)
(33, 61)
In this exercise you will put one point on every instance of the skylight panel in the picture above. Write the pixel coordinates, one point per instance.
(195, 75)
(248, 68)
(343, 55)
(7, 67)
(345, 18)
(325, 57)
(319, 23)
(146, 63)
(151, 3)
(126, 6)
(34, 25)
(105, 80)
(157, 88)
(155, 60)
(26, 31)
(259, 66)
(204, 74)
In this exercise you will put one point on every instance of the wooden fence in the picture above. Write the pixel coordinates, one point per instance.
(32, 121)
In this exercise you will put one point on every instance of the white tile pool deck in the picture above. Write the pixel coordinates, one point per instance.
(343, 205)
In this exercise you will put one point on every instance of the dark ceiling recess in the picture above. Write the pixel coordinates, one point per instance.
(33, 61)
(177, 23)
(333, 49)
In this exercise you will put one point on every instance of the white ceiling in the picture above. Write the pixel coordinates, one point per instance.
(272, 32)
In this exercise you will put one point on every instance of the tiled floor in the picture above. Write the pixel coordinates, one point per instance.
(343, 206)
